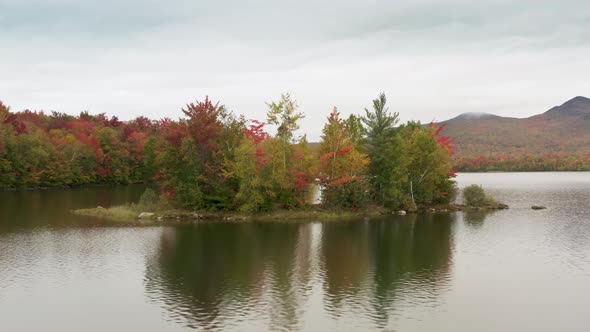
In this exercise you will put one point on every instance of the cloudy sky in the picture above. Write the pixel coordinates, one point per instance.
(434, 59)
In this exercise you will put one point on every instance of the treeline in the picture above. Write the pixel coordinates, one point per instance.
(524, 163)
(214, 159)
(45, 150)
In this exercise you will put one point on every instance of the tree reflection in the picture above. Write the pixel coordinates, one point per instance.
(383, 261)
(346, 260)
(208, 274)
(262, 276)
(476, 218)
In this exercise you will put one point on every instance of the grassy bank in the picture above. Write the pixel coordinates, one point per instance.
(127, 212)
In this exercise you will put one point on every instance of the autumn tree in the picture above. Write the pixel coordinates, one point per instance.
(285, 115)
(178, 162)
(249, 169)
(215, 133)
(303, 171)
(343, 168)
(429, 168)
(221, 191)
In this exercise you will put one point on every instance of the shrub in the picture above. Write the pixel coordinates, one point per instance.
(474, 195)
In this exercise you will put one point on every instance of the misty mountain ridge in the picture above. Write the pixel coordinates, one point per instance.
(475, 116)
(562, 130)
(578, 106)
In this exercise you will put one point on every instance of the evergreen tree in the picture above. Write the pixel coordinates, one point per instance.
(386, 171)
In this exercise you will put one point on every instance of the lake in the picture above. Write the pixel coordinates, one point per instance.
(513, 270)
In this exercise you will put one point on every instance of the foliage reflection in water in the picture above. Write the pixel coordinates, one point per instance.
(281, 276)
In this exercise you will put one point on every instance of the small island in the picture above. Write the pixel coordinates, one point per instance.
(213, 163)
(216, 165)
(151, 209)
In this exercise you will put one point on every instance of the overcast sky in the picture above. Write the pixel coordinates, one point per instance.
(434, 59)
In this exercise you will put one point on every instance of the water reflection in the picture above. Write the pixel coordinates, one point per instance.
(42, 208)
(277, 276)
(209, 274)
(413, 260)
(476, 218)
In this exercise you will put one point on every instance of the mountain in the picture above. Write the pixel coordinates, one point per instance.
(558, 139)
(475, 116)
(578, 107)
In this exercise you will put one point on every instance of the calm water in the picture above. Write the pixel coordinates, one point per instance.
(515, 270)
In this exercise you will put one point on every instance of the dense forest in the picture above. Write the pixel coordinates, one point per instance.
(526, 162)
(212, 158)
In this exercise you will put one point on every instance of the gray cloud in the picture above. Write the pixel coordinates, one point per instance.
(434, 59)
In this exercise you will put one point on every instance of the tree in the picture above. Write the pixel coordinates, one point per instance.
(113, 165)
(379, 122)
(303, 171)
(178, 161)
(343, 167)
(206, 141)
(388, 171)
(179, 178)
(286, 116)
(356, 131)
(220, 190)
(429, 166)
(385, 152)
(254, 193)
(30, 155)
(204, 126)
(248, 168)
(150, 152)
